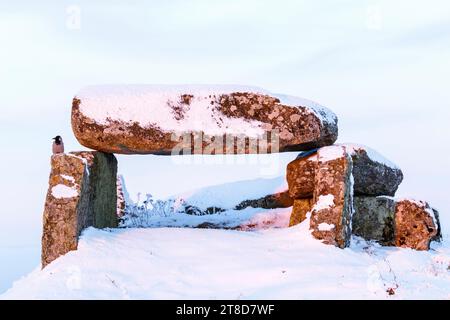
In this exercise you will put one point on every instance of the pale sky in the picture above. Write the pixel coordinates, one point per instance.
(381, 66)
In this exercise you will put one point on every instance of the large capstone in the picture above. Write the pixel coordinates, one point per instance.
(148, 119)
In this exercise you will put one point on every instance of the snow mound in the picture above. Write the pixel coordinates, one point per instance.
(229, 195)
(148, 105)
(172, 263)
(245, 219)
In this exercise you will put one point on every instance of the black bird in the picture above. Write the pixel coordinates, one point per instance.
(58, 145)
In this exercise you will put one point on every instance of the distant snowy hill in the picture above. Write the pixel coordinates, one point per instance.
(174, 263)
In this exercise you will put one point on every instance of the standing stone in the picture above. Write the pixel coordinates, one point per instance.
(82, 193)
(373, 219)
(300, 175)
(333, 197)
(146, 119)
(416, 224)
(373, 174)
(299, 210)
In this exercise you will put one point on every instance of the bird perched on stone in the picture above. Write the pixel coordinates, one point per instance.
(58, 145)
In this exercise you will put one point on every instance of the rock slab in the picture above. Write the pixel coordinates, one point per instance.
(148, 119)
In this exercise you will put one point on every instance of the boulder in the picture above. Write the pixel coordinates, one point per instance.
(402, 223)
(149, 119)
(333, 197)
(416, 224)
(82, 193)
(373, 219)
(373, 174)
(299, 210)
(271, 201)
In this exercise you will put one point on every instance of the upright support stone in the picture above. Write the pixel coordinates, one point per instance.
(300, 175)
(82, 192)
(374, 219)
(333, 197)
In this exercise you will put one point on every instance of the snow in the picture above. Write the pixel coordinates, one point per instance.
(62, 191)
(182, 263)
(148, 105)
(324, 202)
(325, 226)
(375, 156)
(245, 219)
(68, 178)
(228, 195)
(323, 113)
(330, 153)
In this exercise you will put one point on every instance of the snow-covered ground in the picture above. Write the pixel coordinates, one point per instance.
(384, 73)
(184, 263)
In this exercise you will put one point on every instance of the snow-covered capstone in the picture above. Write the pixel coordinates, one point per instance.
(151, 119)
(81, 193)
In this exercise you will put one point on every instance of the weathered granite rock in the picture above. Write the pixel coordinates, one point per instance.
(333, 198)
(373, 174)
(373, 219)
(271, 201)
(82, 193)
(300, 175)
(416, 224)
(403, 223)
(198, 119)
(299, 210)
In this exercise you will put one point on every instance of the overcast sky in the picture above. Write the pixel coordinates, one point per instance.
(382, 66)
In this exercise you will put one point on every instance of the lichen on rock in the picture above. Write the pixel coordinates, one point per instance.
(152, 120)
